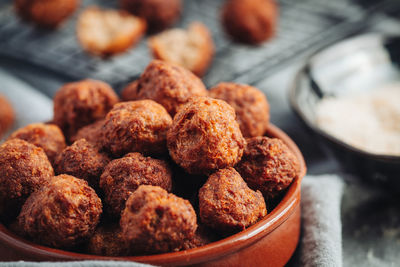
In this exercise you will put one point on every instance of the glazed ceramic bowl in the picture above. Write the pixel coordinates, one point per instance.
(357, 65)
(270, 242)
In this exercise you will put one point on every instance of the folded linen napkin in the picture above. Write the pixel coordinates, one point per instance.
(321, 242)
(321, 195)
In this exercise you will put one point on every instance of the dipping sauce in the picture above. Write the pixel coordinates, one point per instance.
(368, 121)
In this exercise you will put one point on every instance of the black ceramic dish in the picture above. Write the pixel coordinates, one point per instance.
(358, 64)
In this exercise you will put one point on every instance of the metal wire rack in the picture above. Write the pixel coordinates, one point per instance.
(303, 26)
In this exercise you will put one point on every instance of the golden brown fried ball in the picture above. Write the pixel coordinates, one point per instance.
(24, 168)
(7, 115)
(107, 241)
(107, 32)
(47, 136)
(130, 92)
(250, 104)
(159, 14)
(227, 204)
(169, 84)
(123, 176)
(205, 136)
(155, 221)
(268, 165)
(82, 160)
(136, 126)
(250, 21)
(91, 132)
(62, 213)
(46, 13)
(192, 49)
(81, 103)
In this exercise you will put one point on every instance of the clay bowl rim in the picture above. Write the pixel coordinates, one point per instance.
(209, 252)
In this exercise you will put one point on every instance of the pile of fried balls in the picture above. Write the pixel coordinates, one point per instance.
(168, 167)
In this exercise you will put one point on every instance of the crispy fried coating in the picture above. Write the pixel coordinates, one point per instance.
(24, 168)
(155, 221)
(136, 126)
(250, 104)
(62, 213)
(250, 21)
(106, 32)
(130, 92)
(82, 160)
(192, 49)
(205, 136)
(123, 176)
(227, 204)
(107, 241)
(46, 13)
(7, 115)
(81, 103)
(268, 165)
(91, 132)
(47, 136)
(159, 14)
(169, 84)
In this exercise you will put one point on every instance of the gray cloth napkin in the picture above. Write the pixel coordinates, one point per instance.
(321, 195)
(321, 243)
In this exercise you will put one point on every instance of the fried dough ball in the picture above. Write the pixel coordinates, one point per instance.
(205, 136)
(250, 21)
(159, 14)
(46, 13)
(107, 241)
(62, 213)
(106, 32)
(123, 176)
(170, 85)
(227, 204)
(91, 132)
(130, 92)
(7, 115)
(24, 168)
(47, 136)
(268, 165)
(192, 49)
(82, 160)
(250, 104)
(136, 126)
(155, 221)
(81, 103)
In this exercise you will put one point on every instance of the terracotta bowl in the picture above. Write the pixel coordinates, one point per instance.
(270, 242)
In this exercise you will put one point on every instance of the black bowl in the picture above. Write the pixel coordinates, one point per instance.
(358, 64)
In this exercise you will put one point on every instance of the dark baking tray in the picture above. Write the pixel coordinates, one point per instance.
(304, 27)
